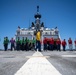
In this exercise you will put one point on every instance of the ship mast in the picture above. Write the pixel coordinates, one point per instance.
(37, 19)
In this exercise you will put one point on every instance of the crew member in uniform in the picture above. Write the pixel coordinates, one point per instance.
(64, 44)
(38, 38)
(75, 44)
(12, 41)
(70, 44)
(58, 42)
(18, 44)
(33, 43)
(45, 43)
(22, 44)
(26, 44)
(5, 42)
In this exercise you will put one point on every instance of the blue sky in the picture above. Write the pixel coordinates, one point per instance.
(60, 13)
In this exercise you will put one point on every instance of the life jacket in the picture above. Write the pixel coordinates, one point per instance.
(51, 41)
(63, 43)
(38, 36)
(75, 42)
(58, 42)
(45, 41)
(70, 41)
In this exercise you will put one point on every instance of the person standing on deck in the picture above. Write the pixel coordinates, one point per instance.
(51, 41)
(58, 42)
(12, 41)
(26, 44)
(64, 44)
(33, 43)
(75, 44)
(45, 43)
(38, 38)
(18, 44)
(22, 44)
(70, 44)
(5, 42)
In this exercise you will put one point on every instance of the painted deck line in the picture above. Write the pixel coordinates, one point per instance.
(68, 55)
(37, 66)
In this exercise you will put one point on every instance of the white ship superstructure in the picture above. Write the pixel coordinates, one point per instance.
(35, 26)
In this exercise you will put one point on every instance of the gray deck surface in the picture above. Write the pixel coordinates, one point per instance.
(12, 61)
